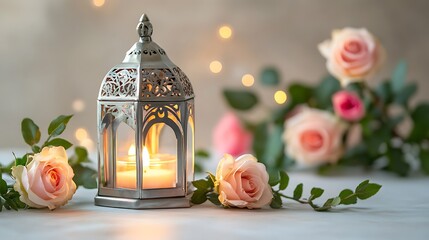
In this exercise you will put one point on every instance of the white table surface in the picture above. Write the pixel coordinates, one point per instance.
(399, 211)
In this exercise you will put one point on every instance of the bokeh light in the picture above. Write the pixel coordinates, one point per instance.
(81, 134)
(247, 80)
(98, 3)
(225, 32)
(280, 97)
(215, 67)
(78, 105)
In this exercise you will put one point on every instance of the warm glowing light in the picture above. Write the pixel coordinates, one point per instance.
(247, 80)
(215, 67)
(81, 134)
(78, 105)
(146, 157)
(98, 3)
(280, 97)
(132, 150)
(225, 32)
(87, 143)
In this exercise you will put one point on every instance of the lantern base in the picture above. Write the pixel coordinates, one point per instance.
(174, 202)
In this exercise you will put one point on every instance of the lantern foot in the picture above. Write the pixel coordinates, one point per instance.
(131, 203)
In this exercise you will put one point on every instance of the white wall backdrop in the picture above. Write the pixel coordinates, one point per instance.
(54, 52)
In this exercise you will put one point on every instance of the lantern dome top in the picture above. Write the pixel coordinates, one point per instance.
(146, 73)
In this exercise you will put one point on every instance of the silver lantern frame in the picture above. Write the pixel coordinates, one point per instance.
(145, 89)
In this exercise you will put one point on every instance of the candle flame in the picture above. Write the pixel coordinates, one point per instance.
(146, 157)
(132, 150)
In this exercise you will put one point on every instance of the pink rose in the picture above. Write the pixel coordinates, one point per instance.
(352, 54)
(242, 182)
(47, 181)
(313, 137)
(348, 105)
(229, 136)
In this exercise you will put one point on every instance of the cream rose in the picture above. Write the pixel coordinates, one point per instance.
(352, 54)
(313, 137)
(242, 182)
(47, 180)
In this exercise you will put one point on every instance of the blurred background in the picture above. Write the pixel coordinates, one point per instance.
(54, 54)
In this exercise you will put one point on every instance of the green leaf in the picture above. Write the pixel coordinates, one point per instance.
(274, 178)
(270, 76)
(201, 153)
(384, 92)
(199, 196)
(211, 179)
(297, 193)
(21, 161)
(276, 202)
(80, 156)
(58, 125)
(198, 168)
(260, 135)
(57, 142)
(402, 97)
(399, 76)
(240, 99)
(356, 87)
(420, 116)
(284, 180)
(81, 152)
(274, 148)
(325, 90)
(424, 160)
(214, 198)
(35, 149)
(201, 184)
(397, 163)
(3, 186)
(336, 201)
(347, 197)
(85, 176)
(366, 189)
(328, 203)
(316, 193)
(30, 131)
(300, 93)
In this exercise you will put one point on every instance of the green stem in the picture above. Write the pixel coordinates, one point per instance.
(297, 200)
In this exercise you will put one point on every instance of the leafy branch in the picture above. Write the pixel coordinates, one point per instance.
(363, 191)
(206, 190)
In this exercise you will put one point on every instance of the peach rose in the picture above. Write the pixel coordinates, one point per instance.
(313, 137)
(243, 182)
(348, 105)
(352, 54)
(47, 180)
(229, 136)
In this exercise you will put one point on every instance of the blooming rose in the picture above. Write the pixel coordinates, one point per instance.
(242, 182)
(229, 136)
(313, 137)
(348, 105)
(352, 54)
(47, 181)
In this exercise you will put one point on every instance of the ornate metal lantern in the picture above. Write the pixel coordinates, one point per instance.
(145, 130)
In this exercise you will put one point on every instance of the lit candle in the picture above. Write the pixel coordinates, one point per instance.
(159, 170)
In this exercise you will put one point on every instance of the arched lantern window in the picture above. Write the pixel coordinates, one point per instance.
(145, 130)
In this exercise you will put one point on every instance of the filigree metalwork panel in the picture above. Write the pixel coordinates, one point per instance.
(120, 83)
(184, 80)
(161, 111)
(122, 113)
(159, 83)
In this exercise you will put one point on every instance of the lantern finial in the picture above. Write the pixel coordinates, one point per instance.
(144, 29)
